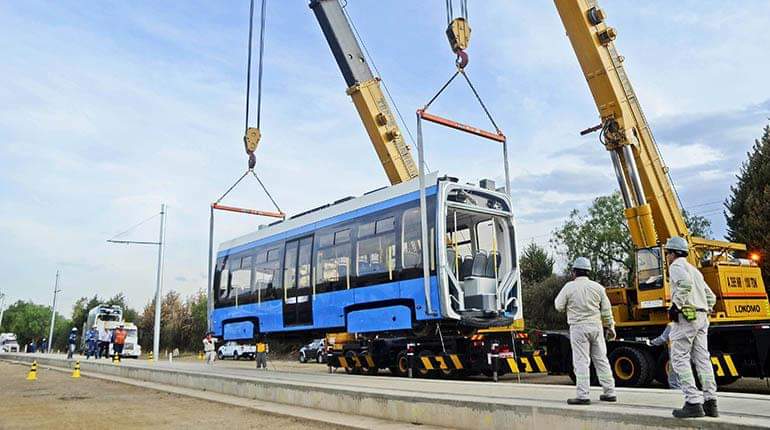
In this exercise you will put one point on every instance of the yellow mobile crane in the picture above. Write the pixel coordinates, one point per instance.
(740, 334)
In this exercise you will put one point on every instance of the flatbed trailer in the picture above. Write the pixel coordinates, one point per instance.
(737, 350)
(492, 355)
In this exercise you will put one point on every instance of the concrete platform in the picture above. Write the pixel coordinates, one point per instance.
(457, 404)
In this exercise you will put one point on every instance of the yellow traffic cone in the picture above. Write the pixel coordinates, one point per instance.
(200, 356)
(76, 372)
(116, 359)
(149, 356)
(32, 375)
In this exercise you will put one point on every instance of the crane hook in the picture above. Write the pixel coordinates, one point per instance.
(462, 59)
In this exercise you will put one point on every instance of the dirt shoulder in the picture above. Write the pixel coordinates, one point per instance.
(56, 400)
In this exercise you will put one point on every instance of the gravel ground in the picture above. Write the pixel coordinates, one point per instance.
(56, 400)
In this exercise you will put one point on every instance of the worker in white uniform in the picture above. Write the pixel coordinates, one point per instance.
(664, 339)
(209, 347)
(692, 302)
(588, 308)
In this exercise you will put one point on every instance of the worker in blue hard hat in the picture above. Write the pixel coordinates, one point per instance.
(691, 303)
(589, 315)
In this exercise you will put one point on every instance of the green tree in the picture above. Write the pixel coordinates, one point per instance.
(538, 298)
(183, 322)
(536, 264)
(129, 314)
(699, 226)
(198, 304)
(80, 310)
(748, 206)
(31, 322)
(601, 235)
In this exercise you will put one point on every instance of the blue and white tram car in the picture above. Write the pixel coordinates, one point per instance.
(356, 266)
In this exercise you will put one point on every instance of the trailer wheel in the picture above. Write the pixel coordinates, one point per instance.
(402, 365)
(631, 367)
(366, 370)
(349, 357)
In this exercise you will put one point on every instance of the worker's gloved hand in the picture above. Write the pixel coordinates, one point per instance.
(673, 313)
(657, 341)
(609, 333)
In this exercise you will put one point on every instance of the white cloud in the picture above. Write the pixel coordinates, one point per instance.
(689, 155)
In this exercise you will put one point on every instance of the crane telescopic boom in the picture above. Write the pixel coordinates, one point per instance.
(652, 209)
(364, 88)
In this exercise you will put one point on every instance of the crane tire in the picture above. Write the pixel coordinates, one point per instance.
(631, 367)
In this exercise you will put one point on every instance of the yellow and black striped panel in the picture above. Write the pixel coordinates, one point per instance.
(527, 363)
(442, 362)
(724, 365)
(351, 362)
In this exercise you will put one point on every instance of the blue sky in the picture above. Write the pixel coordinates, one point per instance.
(110, 108)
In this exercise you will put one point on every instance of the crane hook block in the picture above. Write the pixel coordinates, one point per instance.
(251, 139)
(459, 34)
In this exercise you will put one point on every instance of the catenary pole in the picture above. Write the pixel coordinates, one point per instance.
(2, 307)
(53, 311)
(159, 285)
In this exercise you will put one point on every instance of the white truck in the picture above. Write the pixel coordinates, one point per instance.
(236, 351)
(111, 317)
(8, 342)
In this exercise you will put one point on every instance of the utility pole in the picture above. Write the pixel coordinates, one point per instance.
(159, 285)
(158, 279)
(2, 308)
(56, 290)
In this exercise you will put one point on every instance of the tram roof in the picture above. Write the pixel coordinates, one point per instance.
(340, 208)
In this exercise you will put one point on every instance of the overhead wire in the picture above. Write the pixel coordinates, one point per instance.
(704, 204)
(135, 226)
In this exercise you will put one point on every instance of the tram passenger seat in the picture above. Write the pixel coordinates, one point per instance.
(466, 268)
(479, 264)
(494, 260)
(412, 259)
(364, 268)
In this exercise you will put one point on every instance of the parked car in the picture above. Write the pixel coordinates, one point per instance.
(236, 351)
(313, 351)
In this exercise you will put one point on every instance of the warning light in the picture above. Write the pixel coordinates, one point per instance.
(754, 256)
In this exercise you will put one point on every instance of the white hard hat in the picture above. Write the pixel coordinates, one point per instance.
(74, 329)
(676, 243)
(581, 263)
